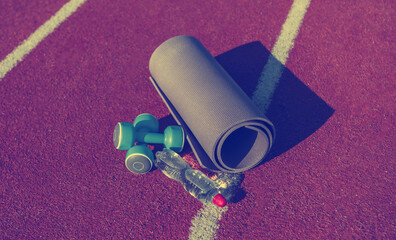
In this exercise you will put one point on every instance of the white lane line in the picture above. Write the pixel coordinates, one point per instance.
(205, 223)
(273, 69)
(12, 59)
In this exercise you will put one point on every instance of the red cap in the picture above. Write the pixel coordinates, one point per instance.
(219, 200)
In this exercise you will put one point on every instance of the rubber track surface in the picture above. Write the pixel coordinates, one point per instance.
(331, 174)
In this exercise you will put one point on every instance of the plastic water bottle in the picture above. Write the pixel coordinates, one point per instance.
(194, 181)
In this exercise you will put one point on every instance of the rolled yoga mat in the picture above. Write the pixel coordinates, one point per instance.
(226, 131)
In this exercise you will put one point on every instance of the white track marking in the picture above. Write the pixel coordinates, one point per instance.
(12, 59)
(273, 70)
(205, 223)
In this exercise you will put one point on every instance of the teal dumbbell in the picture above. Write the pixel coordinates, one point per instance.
(126, 134)
(144, 130)
(139, 158)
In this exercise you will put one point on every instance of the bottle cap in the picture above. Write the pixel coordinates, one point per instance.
(219, 200)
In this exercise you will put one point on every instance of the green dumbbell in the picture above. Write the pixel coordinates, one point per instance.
(145, 130)
(139, 158)
(124, 135)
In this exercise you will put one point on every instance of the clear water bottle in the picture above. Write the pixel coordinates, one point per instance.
(194, 181)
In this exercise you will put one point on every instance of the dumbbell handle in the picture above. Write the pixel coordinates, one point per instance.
(147, 137)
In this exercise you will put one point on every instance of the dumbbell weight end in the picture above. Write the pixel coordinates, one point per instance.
(123, 135)
(174, 138)
(139, 159)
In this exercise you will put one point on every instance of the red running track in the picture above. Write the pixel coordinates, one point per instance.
(61, 177)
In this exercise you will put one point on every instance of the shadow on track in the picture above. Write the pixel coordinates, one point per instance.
(295, 110)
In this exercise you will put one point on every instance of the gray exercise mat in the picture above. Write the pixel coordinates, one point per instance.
(226, 131)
